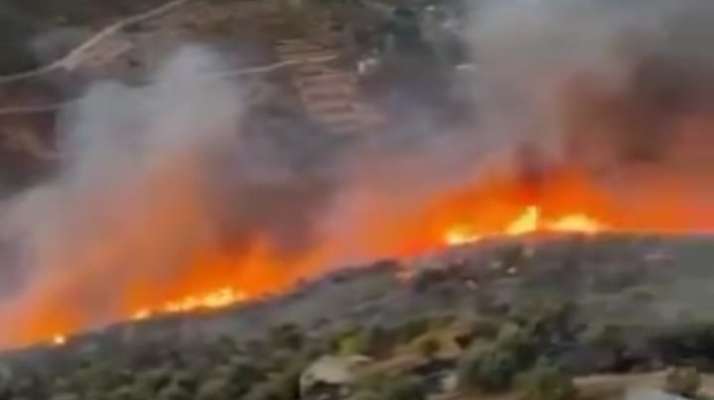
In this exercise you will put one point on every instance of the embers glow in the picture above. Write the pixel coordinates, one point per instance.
(529, 221)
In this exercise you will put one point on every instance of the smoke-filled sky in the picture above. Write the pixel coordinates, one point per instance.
(162, 190)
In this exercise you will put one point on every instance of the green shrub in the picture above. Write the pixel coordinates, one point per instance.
(546, 382)
(683, 381)
(548, 321)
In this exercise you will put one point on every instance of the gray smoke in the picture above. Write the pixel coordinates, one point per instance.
(623, 74)
(151, 176)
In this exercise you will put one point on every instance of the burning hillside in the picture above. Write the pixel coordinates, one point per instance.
(167, 202)
(499, 208)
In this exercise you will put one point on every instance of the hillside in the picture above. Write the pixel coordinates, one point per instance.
(570, 306)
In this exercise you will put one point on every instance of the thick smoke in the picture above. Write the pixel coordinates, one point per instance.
(624, 74)
(622, 89)
(151, 178)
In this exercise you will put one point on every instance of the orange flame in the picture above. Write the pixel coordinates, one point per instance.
(496, 205)
(529, 221)
(220, 298)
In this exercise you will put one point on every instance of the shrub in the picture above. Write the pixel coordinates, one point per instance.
(123, 393)
(212, 389)
(151, 381)
(174, 392)
(374, 341)
(377, 341)
(281, 386)
(351, 344)
(404, 388)
(412, 329)
(683, 381)
(487, 370)
(242, 375)
(546, 382)
(429, 346)
(487, 328)
(287, 336)
(518, 343)
(185, 379)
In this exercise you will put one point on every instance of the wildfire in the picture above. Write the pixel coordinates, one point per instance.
(529, 221)
(222, 297)
(497, 206)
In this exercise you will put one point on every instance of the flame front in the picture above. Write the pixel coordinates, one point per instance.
(528, 222)
(220, 298)
(492, 206)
